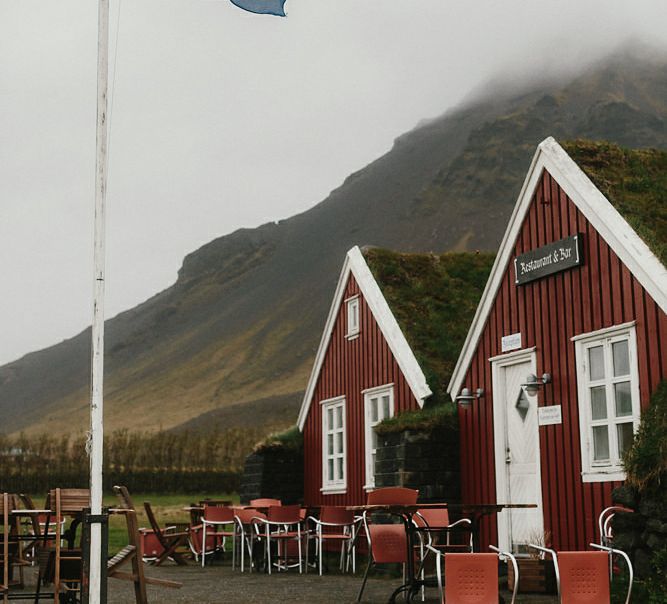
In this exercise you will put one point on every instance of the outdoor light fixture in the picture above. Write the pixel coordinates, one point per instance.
(533, 383)
(466, 397)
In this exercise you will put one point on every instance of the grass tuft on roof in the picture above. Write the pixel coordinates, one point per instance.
(433, 298)
(634, 181)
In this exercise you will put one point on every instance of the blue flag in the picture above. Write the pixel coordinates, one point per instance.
(262, 7)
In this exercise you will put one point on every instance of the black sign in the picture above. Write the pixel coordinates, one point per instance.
(552, 258)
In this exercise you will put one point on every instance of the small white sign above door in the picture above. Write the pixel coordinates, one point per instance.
(549, 416)
(510, 342)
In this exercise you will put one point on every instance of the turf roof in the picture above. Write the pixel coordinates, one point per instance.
(433, 299)
(634, 181)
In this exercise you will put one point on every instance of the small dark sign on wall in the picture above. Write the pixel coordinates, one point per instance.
(552, 258)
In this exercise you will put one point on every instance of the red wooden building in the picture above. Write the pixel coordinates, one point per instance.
(366, 370)
(578, 294)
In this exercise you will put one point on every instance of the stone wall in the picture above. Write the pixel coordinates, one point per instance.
(275, 472)
(425, 459)
(643, 533)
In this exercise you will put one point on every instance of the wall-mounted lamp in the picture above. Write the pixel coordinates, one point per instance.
(466, 397)
(533, 383)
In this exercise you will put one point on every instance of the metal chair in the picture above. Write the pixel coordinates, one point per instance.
(472, 577)
(387, 543)
(338, 525)
(282, 525)
(584, 577)
(246, 532)
(604, 523)
(264, 502)
(218, 518)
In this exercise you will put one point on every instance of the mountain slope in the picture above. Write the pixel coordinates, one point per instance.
(243, 320)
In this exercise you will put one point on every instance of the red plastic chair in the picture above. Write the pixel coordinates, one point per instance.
(472, 577)
(337, 525)
(264, 502)
(218, 519)
(390, 495)
(282, 525)
(583, 577)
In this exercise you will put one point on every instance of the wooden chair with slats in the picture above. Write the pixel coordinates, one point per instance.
(173, 543)
(131, 553)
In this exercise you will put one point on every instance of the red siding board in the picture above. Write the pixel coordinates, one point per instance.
(548, 313)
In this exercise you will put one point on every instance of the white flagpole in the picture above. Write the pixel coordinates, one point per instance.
(97, 365)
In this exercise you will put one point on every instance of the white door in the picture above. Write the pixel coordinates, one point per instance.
(517, 439)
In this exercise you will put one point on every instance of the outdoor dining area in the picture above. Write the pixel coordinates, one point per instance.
(330, 553)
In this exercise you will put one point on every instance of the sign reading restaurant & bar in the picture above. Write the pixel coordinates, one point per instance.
(548, 259)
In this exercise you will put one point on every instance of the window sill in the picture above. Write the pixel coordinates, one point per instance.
(352, 336)
(599, 475)
(333, 490)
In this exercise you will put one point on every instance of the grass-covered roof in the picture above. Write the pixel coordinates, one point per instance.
(434, 299)
(634, 181)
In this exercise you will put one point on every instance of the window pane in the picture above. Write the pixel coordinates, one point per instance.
(625, 435)
(374, 410)
(385, 406)
(329, 418)
(339, 442)
(374, 440)
(330, 475)
(339, 417)
(623, 399)
(340, 469)
(330, 444)
(373, 462)
(621, 358)
(600, 443)
(596, 362)
(598, 403)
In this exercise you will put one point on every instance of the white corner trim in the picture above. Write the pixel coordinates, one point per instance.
(599, 212)
(355, 264)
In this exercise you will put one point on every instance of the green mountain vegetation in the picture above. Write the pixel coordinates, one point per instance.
(232, 342)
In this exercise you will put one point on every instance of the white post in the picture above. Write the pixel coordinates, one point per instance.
(97, 364)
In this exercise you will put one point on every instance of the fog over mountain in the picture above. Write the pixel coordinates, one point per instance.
(239, 328)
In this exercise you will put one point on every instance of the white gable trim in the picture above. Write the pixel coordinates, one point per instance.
(601, 214)
(355, 264)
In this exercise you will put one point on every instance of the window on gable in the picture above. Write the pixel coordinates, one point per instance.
(352, 316)
(334, 460)
(378, 405)
(609, 409)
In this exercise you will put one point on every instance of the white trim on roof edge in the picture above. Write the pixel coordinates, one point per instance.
(356, 265)
(599, 212)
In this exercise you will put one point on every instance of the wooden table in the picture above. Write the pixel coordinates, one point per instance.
(406, 512)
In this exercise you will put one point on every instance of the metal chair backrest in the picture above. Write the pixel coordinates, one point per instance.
(222, 515)
(584, 577)
(286, 514)
(388, 543)
(264, 503)
(392, 495)
(471, 578)
(333, 514)
(604, 523)
(432, 517)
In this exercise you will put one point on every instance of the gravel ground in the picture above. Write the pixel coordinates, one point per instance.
(218, 584)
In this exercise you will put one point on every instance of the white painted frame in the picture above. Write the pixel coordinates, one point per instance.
(340, 486)
(353, 317)
(369, 394)
(592, 471)
(499, 363)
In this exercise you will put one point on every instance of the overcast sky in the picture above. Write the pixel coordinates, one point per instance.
(222, 119)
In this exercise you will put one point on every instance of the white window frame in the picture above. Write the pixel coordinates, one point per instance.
(340, 485)
(369, 394)
(353, 308)
(612, 470)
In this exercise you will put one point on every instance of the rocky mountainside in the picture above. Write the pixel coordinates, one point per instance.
(242, 322)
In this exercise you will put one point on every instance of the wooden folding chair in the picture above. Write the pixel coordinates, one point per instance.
(131, 553)
(170, 541)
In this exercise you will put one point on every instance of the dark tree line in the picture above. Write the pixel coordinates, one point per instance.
(168, 462)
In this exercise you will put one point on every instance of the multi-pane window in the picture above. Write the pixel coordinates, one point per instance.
(378, 404)
(608, 400)
(333, 443)
(352, 316)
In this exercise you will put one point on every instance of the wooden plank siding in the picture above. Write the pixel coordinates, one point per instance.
(350, 367)
(548, 313)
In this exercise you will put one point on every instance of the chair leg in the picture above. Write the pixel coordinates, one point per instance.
(268, 551)
(363, 584)
(203, 545)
